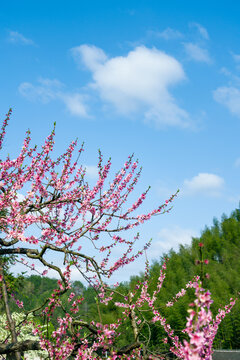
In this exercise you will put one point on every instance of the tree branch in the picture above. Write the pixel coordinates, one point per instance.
(8, 243)
(22, 346)
(25, 251)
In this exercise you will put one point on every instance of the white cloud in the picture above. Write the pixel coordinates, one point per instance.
(233, 79)
(202, 30)
(229, 97)
(169, 34)
(17, 38)
(91, 56)
(75, 104)
(237, 162)
(197, 53)
(91, 171)
(236, 57)
(170, 237)
(225, 72)
(48, 90)
(138, 81)
(204, 183)
(51, 83)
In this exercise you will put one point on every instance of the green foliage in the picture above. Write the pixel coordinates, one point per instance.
(221, 248)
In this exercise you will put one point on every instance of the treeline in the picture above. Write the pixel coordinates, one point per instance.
(220, 270)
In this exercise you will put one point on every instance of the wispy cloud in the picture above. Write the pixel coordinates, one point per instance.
(17, 38)
(138, 81)
(91, 56)
(197, 53)
(203, 183)
(91, 171)
(237, 163)
(228, 96)
(168, 34)
(233, 78)
(236, 57)
(47, 90)
(171, 238)
(201, 29)
(75, 103)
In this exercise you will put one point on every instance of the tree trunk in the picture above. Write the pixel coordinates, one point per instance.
(15, 355)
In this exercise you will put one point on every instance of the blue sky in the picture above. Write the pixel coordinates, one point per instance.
(160, 79)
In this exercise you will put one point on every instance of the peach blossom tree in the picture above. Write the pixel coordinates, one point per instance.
(48, 213)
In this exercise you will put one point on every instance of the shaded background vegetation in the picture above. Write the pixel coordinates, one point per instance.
(221, 248)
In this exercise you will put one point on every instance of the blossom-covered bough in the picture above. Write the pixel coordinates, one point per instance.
(47, 208)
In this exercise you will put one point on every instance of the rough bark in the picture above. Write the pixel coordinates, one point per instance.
(22, 346)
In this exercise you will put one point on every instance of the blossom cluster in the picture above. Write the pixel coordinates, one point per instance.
(53, 198)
